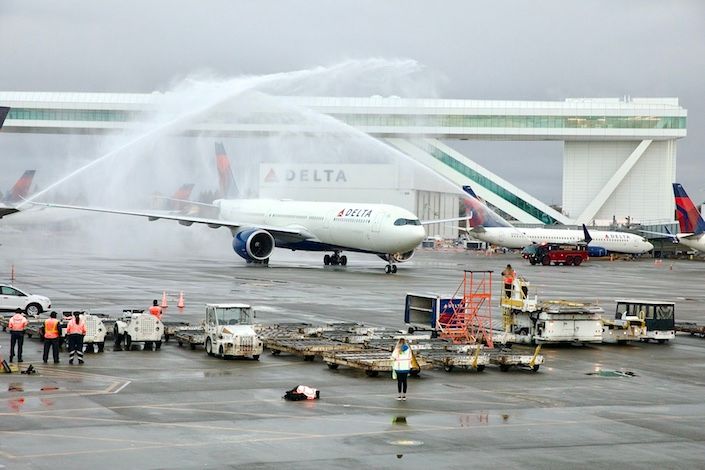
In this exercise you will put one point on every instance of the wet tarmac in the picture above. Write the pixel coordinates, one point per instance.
(178, 408)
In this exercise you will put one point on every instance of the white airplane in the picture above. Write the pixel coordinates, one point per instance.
(260, 225)
(690, 222)
(491, 228)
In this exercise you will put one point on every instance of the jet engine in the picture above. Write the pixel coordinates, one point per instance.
(398, 257)
(253, 244)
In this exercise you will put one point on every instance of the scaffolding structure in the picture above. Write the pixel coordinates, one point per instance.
(471, 319)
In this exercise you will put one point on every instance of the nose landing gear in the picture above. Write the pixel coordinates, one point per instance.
(335, 259)
(390, 269)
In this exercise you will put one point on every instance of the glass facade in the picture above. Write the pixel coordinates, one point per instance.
(90, 115)
(515, 122)
(390, 120)
(489, 184)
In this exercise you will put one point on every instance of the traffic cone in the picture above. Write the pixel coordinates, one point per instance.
(164, 302)
(180, 303)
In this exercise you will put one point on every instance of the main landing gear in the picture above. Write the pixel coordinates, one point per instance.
(390, 269)
(335, 259)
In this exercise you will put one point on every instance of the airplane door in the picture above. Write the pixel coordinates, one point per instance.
(377, 221)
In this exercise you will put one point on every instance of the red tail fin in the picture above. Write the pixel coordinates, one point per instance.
(21, 188)
(226, 182)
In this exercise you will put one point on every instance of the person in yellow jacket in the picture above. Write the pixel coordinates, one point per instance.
(401, 367)
(52, 337)
(75, 331)
(17, 324)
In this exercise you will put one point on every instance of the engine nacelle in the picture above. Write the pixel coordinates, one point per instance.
(398, 257)
(253, 244)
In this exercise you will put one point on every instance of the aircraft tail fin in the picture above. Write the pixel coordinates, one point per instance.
(689, 219)
(479, 214)
(226, 181)
(21, 188)
(181, 197)
(588, 238)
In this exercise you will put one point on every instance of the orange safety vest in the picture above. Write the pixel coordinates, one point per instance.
(509, 278)
(76, 328)
(51, 328)
(156, 311)
(17, 323)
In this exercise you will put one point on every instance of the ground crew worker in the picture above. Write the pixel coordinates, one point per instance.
(508, 275)
(401, 366)
(52, 336)
(18, 323)
(75, 331)
(155, 309)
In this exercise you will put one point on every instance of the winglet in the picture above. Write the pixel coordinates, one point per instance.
(588, 238)
(689, 219)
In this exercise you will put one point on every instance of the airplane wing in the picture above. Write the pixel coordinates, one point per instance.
(6, 211)
(283, 233)
(442, 221)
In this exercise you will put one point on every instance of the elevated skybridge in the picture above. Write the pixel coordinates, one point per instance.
(618, 161)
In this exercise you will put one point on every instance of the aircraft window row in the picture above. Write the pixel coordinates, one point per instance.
(356, 221)
(407, 222)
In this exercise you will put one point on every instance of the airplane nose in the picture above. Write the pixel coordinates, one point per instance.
(649, 246)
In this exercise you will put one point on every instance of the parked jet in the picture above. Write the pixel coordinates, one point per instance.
(691, 223)
(17, 193)
(260, 225)
(491, 228)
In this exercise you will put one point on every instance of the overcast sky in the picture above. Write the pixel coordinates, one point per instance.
(525, 50)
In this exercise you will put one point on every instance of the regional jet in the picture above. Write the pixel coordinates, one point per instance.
(489, 227)
(260, 225)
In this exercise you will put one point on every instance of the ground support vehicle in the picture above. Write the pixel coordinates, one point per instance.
(553, 253)
(658, 316)
(96, 331)
(193, 336)
(372, 361)
(135, 326)
(528, 320)
(171, 327)
(423, 311)
(507, 359)
(309, 348)
(229, 331)
(690, 327)
(624, 330)
(470, 357)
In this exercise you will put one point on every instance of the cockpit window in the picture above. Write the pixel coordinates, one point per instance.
(407, 222)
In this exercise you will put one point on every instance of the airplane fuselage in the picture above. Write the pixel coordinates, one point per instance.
(695, 242)
(511, 237)
(370, 228)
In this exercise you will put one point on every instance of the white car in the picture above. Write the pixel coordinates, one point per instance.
(12, 298)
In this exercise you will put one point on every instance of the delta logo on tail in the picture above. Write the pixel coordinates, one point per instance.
(226, 181)
(181, 196)
(479, 214)
(21, 188)
(689, 219)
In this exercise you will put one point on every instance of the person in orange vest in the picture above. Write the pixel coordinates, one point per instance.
(52, 336)
(155, 309)
(508, 275)
(18, 323)
(75, 331)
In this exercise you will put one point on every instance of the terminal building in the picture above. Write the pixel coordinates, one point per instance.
(619, 155)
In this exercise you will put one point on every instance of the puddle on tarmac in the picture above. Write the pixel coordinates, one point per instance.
(613, 373)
